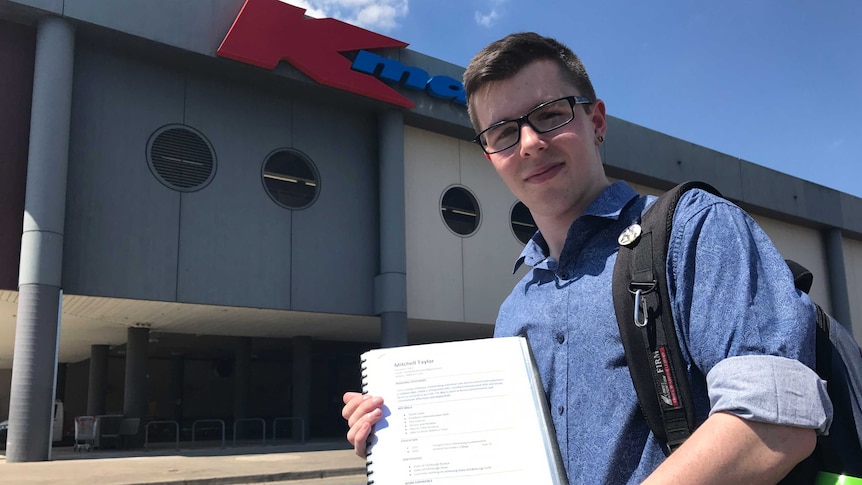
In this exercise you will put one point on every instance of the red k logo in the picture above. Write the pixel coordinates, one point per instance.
(268, 31)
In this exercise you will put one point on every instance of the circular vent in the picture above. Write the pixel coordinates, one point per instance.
(181, 158)
(523, 224)
(460, 210)
(291, 179)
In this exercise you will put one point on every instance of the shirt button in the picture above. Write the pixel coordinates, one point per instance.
(561, 338)
(561, 409)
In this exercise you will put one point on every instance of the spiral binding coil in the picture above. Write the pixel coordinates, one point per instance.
(362, 368)
(368, 462)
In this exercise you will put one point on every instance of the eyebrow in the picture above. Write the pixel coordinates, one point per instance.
(522, 114)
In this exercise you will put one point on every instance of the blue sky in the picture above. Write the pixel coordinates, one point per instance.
(774, 82)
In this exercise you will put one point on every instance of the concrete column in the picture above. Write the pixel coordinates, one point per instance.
(241, 374)
(60, 391)
(135, 395)
(178, 376)
(840, 295)
(31, 403)
(301, 387)
(97, 385)
(390, 285)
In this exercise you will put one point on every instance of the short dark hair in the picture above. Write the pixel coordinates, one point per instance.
(504, 58)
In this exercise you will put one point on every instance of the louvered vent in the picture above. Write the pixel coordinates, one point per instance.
(181, 158)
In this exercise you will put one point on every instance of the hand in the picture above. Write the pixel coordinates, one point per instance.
(361, 412)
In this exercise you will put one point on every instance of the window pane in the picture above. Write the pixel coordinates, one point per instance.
(523, 224)
(460, 211)
(290, 179)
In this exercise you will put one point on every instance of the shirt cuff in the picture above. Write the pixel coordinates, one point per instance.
(770, 389)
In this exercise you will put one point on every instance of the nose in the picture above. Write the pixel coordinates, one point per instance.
(531, 141)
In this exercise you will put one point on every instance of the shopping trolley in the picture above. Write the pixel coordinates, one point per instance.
(85, 433)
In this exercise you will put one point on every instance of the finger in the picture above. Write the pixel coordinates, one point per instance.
(360, 439)
(362, 427)
(349, 396)
(368, 410)
(370, 418)
(358, 434)
(366, 407)
(351, 401)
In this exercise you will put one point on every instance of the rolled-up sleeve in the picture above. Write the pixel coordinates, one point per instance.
(770, 389)
(740, 320)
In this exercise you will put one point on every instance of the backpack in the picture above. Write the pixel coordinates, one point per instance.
(643, 311)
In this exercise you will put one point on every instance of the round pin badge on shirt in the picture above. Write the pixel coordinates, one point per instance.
(630, 235)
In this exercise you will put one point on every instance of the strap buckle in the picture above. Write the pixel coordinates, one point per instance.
(641, 310)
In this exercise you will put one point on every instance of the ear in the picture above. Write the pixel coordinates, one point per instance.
(599, 117)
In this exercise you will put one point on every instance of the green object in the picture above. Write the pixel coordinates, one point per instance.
(824, 478)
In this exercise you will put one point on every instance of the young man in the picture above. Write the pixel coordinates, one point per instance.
(739, 319)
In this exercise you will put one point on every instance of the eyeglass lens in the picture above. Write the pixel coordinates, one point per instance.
(542, 119)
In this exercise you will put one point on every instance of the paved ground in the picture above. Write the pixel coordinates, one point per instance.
(325, 463)
(348, 480)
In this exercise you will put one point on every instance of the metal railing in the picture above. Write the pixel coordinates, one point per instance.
(221, 426)
(147, 432)
(251, 420)
(301, 430)
(209, 421)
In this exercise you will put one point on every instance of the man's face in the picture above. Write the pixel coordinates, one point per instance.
(555, 174)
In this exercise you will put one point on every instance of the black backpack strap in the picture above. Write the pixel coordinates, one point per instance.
(825, 456)
(839, 451)
(802, 279)
(644, 315)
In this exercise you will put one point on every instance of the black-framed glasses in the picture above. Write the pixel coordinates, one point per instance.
(542, 119)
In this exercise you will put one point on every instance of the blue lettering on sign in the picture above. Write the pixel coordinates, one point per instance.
(445, 87)
(441, 87)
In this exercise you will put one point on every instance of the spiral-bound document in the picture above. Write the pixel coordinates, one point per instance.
(458, 413)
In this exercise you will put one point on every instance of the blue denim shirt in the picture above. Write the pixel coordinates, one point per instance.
(744, 330)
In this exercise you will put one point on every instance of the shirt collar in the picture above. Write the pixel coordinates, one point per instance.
(608, 205)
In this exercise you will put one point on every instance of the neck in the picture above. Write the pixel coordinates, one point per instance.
(554, 232)
(555, 228)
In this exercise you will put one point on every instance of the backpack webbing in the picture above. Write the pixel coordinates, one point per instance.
(645, 318)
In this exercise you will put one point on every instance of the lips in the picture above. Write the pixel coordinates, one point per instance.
(544, 173)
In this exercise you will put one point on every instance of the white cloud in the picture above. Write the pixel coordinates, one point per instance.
(377, 15)
(309, 10)
(490, 19)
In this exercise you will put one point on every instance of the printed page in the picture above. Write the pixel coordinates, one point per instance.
(458, 413)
